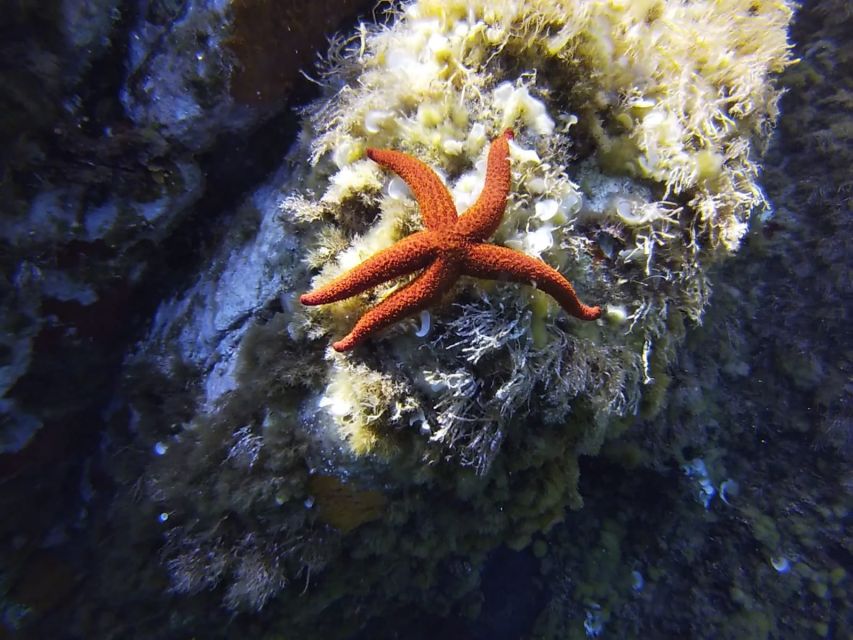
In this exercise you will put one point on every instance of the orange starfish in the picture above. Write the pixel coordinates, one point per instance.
(448, 248)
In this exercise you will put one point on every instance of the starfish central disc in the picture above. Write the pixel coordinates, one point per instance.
(451, 246)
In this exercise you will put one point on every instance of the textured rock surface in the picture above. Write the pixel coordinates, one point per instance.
(249, 483)
(104, 174)
(105, 211)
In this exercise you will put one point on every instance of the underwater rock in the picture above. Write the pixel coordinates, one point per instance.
(633, 171)
(92, 198)
(624, 180)
(200, 69)
(68, 256)
(178, 70)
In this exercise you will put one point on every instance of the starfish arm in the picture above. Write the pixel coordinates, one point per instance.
(421, 292)
(483, 217)
(436, 204)
(494, 262)
(409, 254)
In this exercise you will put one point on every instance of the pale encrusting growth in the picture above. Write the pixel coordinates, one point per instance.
(634, 167)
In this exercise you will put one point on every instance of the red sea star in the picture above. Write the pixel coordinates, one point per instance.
(449, 247)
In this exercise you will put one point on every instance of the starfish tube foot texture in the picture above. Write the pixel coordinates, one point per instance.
(449, 247)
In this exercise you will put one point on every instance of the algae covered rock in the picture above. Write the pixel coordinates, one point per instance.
(634, 166)
(633, 170)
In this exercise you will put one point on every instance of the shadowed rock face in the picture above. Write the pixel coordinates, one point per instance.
(103, 204)
(105, 213)
(274, 42)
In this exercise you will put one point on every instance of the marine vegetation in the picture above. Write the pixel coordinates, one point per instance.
(282, 471)
(633, 170)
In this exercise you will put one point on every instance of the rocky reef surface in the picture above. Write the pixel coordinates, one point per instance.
(236, 476)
